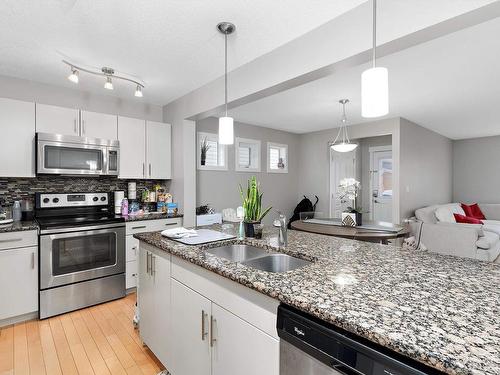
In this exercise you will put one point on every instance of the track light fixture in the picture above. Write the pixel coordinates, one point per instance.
(108, 85)
(108, 73)
(73, 77)
(138, 91)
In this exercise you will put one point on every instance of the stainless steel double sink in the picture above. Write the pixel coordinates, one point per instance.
(258, 258)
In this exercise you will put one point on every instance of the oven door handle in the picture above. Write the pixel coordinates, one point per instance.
(82, 229)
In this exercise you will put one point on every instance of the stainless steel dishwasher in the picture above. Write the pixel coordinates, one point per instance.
(309, 346)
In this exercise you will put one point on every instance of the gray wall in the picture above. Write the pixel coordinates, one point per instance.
(220, 188)
(476, 170)
(31, 91)
(426, 164)
(314, 157)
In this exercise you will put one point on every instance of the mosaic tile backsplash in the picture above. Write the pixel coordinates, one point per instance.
(12, 189)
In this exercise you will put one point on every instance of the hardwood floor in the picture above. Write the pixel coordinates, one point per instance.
(96, 340)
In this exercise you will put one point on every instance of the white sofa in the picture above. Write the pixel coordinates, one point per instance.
(441, 234)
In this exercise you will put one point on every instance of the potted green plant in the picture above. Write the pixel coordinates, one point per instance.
(252, 205)
(204, 148)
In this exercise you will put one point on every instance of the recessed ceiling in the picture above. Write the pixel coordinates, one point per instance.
(450, 85)
(170, 44)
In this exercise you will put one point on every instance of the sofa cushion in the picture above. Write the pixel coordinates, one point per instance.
(426, 214)
(466, 219)
(490, 210)
(445, 213)
(492, 226)
(473, 210)
(489, 240)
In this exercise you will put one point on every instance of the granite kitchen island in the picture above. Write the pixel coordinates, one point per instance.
(439, 310)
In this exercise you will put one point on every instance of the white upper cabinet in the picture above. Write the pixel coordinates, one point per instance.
(57, 120)
(98, 125)
(132, 137)
(158, 148)
(17, 121)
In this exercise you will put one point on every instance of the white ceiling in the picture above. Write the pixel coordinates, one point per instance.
(450, 85)
(172, 45)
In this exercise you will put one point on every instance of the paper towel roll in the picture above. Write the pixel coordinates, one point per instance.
(119, 196)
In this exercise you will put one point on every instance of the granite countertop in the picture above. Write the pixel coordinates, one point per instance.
(18, 226)
(440, 310)
(152, 216)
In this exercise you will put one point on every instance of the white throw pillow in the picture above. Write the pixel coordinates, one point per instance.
(445, 213)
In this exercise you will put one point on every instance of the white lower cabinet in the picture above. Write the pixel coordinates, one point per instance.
(240, 348)
(18, 281)
(197, 322)
(154, 303)
(190, 330)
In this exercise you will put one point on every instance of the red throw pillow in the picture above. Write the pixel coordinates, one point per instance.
(473, 210)
(466, 219)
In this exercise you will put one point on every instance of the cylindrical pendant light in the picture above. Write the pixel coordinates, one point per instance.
(226, 123)
(374, 82)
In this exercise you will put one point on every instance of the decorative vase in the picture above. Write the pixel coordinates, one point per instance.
(249, 231)
(352, 218)
(203, 160)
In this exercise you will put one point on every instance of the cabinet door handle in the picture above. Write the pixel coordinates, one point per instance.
(83, 127)
(33, 260)
(153, 265)
(74, 125)
(147, 262)
(168, 224)
(139, 227)
(144, 169)
(149, 169)
(213, 321)
(203, 332)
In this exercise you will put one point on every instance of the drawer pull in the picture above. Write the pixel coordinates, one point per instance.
(11, 240)
(139, 227)
(167, 224)
(33, 261)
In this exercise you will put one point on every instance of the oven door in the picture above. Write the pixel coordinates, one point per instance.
(67, 258)
(70, 158)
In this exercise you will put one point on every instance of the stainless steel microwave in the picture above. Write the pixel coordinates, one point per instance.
(70, 155)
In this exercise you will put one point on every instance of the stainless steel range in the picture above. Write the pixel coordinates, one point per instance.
(82, 251)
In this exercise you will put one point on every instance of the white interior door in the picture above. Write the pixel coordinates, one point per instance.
(342, 165)
(381, 184)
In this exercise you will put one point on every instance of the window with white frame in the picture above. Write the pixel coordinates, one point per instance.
(211, 154)
(277, 158)
(247, 155)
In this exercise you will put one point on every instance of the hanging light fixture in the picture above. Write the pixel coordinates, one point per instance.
(108, 73)
(226, 123)
(344, 144)
(73, 77)
(374, 82)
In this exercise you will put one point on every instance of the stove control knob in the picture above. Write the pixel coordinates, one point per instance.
(46, 200)
(95, 199)
(55, 200)
(103, 199)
